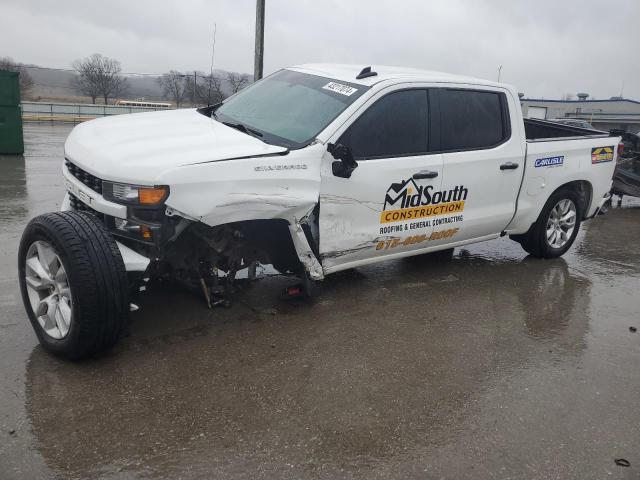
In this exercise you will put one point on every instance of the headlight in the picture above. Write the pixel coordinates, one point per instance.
(135, 194)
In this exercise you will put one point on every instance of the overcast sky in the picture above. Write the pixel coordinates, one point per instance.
(547, 47)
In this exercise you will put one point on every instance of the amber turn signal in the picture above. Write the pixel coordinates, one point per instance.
(146, 232)
(151, 195)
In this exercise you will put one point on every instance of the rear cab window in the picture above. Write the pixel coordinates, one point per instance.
(472, 119)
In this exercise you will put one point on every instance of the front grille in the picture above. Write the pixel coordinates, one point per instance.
(91, 181)
(79, 206)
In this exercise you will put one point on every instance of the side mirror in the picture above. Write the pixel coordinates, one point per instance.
(345, 164)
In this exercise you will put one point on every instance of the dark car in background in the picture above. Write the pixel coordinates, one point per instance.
(626, 177)
(573, 122)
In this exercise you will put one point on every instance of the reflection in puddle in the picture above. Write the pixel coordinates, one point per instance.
(384, 362)
(610, 241)
(13, 189)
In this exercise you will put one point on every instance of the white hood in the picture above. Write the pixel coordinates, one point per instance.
(139, 147)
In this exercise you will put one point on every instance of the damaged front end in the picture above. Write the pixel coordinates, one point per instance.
(216, 261)
(213, 261)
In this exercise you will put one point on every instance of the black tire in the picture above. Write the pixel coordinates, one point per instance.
(535, 241)
(96, 277)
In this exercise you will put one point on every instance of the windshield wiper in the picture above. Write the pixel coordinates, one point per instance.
(244, 129)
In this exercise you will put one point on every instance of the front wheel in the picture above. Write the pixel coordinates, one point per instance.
(556, 228)
(73, 284)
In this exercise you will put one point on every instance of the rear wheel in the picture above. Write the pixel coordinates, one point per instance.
(556, 228)
(73, 283)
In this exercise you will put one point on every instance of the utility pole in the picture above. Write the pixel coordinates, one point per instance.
(193, 92)
(259, 52)
(499, 72)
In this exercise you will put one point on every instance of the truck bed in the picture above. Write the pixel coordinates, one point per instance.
(543, 130)
(558, 155)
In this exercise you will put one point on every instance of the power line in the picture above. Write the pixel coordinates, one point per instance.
(75, 90)
(68, 87)
(73, 70)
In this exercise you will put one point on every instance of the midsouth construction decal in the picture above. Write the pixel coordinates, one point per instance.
(409, 201)
(549, 162)
(601, 154)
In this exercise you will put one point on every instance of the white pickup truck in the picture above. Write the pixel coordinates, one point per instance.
(313, 170)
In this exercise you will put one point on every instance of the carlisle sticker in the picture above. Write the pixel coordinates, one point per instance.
(601, 155)
(340, 88)
(549, 162)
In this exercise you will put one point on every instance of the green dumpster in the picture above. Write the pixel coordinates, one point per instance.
(10, 118)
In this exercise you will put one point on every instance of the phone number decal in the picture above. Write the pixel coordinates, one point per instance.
(415, 239)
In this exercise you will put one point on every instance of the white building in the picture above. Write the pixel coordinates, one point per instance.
(605, 115)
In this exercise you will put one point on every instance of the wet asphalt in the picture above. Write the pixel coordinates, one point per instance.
(485, 365)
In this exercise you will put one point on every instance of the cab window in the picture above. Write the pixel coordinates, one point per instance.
(394, 126)
(472, 119)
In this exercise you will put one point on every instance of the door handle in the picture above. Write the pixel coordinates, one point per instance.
(425, 174)
(509, 166)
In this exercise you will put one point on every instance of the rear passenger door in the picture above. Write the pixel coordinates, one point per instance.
(482, 161)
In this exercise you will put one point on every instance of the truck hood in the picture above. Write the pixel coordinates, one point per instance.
(139, 147)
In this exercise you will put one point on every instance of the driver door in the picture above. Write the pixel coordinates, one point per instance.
(378, 211)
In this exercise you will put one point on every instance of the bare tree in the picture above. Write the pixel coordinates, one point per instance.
(208, 88)
(86, 82)
(214, 89)
(26, 82)
(174, 86)
(568, 96)
(120, 87)
(99, 76)
(237, 81)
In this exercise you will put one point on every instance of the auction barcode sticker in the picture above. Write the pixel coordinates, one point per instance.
(339, 88)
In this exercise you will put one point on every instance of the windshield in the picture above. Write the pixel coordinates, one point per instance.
(288, 108)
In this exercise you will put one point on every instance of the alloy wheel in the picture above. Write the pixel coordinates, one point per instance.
(561, 223)
(48, 289)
